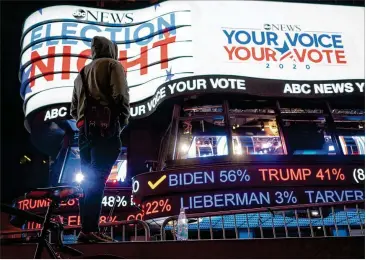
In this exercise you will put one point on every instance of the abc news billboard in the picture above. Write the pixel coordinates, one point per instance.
(178, 48)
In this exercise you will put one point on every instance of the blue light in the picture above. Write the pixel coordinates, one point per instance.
(251, 220)
(331, 148)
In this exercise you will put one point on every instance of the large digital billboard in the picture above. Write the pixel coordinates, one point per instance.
(179, 47)
(245, 176)
(221, 187)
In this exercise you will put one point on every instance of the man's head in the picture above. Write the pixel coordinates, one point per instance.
(101, 47)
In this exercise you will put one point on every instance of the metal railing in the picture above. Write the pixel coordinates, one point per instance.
(309, 220)
(114, 229)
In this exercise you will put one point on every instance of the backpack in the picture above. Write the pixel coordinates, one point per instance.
(100, 120)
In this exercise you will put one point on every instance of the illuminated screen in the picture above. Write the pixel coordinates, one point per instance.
(244, 176)
(167, 50)
(70, 172)
(121, 200)
(203, 146)
(257, 145)
(211, 201)
(352, 145)
(206, 146)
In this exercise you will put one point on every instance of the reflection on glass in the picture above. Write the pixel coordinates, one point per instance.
(71, 172)
(202, 146)
(256, 136)
(202, 138)
(119, 171)
(352, 145)
(257, 145)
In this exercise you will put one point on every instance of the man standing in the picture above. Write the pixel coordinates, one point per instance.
(100, 106)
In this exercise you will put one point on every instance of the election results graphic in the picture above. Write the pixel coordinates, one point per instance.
(154, 46)
(285, 43)
(271, 48)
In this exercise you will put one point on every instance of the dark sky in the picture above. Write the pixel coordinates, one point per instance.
(15, 140)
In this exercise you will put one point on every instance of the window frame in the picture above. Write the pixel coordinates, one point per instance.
(279, 116)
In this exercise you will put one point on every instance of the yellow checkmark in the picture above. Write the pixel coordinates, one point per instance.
(156, 184)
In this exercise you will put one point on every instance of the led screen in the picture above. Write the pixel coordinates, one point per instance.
(257, 145)
(167, 50)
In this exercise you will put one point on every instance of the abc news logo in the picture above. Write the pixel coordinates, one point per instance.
(103, 17)
(282, 27)
(79, 14)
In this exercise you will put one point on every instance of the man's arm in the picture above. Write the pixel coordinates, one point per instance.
(120, 92)
(75, 100)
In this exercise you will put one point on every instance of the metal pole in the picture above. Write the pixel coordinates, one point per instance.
(165, 146)
(335, 221)
(284, 223)
(310, 223)
(281, 127)
(321, 215)
(332, 127)
(260, 224)
(199, 230)
(348, 225)
(223, 227)
(135, 232)
(236, 228)
(359, 217)
(174, 233)
(123, 233)
(273, 228)
(176, 112)
(246, 215)
(211, 234)
(229, 132)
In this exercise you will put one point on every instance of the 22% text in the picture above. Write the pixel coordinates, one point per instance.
(156, 206)
(152, 207)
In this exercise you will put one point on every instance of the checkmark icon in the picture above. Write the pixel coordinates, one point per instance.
(156, 184)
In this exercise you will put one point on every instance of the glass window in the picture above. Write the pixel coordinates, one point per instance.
(305, 128)
(255, 136)
(352, 145)
(309, 137)
(350, 127)
(254, 128)
(202, 138)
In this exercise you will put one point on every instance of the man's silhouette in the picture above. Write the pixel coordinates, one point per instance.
(100, 106)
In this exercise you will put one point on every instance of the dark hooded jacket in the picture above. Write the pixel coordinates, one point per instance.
(105, 79)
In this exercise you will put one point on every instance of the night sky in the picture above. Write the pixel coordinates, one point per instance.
(18, 178)
(15, 178)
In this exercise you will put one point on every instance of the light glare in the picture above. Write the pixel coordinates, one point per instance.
(79, 177)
